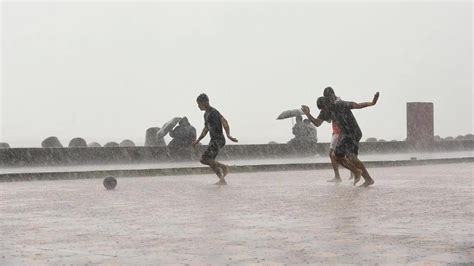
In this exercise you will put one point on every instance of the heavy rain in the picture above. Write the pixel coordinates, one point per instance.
(237, 133)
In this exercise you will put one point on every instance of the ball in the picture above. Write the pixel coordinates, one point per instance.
(110, 182)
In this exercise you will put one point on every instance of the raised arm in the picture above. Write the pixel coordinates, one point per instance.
(225, 124)
(366, 104)
(316, 121)
(173, 132)
(203, 134)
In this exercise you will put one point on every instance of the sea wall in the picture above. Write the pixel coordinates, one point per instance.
(108, 155)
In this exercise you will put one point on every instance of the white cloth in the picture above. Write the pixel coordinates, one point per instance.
(334, 141)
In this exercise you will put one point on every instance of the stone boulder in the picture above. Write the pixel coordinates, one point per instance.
(51, 142)
(77, 143)
(4, 145)
(94, 145)
(111, 144)
(127, 143)
(151, 139)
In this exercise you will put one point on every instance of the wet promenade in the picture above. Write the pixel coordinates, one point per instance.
(416, 214)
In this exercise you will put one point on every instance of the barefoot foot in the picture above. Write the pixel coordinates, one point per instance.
(225, 171)
(357, 176)
(367, 183)
(221, 182)
(335, 180)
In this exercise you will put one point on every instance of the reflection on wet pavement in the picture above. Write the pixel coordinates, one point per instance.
(419, 214)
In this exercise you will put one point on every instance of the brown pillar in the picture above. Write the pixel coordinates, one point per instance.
(420, 124)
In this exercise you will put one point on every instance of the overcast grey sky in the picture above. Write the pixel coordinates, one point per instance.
(107, 71)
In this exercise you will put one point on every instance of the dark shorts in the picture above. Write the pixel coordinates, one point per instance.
(213, 149)
(347, 146)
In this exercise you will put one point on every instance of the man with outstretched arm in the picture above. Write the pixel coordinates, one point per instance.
(347, 148)
(213, 123)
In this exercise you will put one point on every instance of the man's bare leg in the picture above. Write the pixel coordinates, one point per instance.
(335, 167)
(347, 163)
(223, 167)
(217, 167)
(368, 179)
(352, 176)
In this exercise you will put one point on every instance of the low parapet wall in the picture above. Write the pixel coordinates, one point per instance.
(108, 155)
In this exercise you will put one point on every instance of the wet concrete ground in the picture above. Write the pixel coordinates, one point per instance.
(416, 215)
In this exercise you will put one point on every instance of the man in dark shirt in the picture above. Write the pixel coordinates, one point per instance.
(213, 123)
(347, 148)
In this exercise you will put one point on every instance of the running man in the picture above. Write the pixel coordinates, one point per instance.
(347, 148)
(336, 136)
(213, 123)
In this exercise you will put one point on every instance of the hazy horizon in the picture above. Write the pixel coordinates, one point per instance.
(107, 71)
